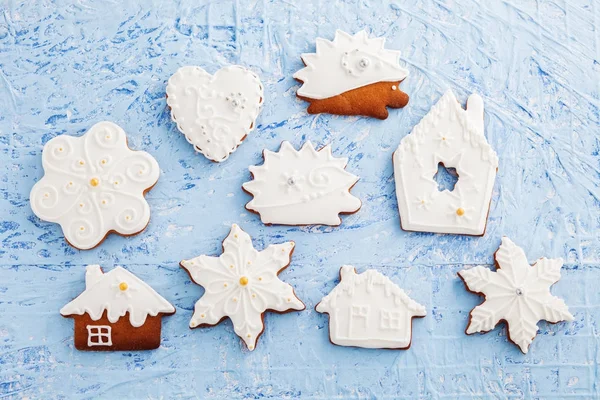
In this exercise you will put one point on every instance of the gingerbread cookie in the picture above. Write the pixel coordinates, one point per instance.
(453, 137)
(516, 293)
(368, 310)
(352, 75)
(94, 185)
(242, 284)
(215, 112)
(100, 312)
(301, 187)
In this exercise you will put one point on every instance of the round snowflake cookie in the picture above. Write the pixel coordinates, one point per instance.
(94, 185)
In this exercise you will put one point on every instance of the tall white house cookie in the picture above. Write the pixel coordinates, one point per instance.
(454, 137)
(242, 284)
(516, 293)
(301, 187)
(93, 185)
(100, 312)
(369, 310)
(215, 112)
(352, 75)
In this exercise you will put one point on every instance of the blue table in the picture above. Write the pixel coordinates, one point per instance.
(65, 65)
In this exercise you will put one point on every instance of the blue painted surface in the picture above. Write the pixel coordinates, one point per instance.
(65, 65)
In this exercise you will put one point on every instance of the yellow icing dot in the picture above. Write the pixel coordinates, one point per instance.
(444, 138)
(231, 266)
(235, 299)
(116, 182)
(80, 204)
(235, 236)
(103, 201)
(123, 286)
(127, 217)
(251, 347)
(81, 162)
(103, 161)
(94, 182)
(260, 278)
(46, 194)
(81, 228)
(253, 295)
(243, 281)
(460, 212)
(202, 315)
(224, 285)
(289, 299)
(60, 149)
(249, 335)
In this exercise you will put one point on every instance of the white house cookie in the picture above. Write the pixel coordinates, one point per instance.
(100, 312)
(369, 310)
(242, 284)
(215, 112)
(301, 187)
(352, 75)
(93, 185)
(516, 293)
(453, 137)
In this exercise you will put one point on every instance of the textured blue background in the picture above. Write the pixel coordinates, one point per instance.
(65, 65)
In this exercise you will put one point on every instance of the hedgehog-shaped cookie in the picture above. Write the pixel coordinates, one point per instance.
(352, 75)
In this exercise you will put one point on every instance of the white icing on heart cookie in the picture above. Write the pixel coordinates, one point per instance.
(346, 63)
(453, 136)
(242, 284)
(516, 293)
(215, 112)
(94, 185)
(301, 187)
(369, 310)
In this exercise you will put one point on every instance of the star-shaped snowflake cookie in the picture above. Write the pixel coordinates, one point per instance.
(516, 293)
(242, 284)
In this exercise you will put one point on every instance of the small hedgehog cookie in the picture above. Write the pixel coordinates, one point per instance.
(302, 187)
(94, 185)
(215, 112)
(369, 310)
(352, 75)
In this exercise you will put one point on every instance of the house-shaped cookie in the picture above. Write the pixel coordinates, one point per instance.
(116, 311)
(454, 137)
(369, 310)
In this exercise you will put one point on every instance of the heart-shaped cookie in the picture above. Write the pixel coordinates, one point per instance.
(215, 112)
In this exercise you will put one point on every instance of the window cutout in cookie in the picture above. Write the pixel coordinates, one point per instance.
(446, 178)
